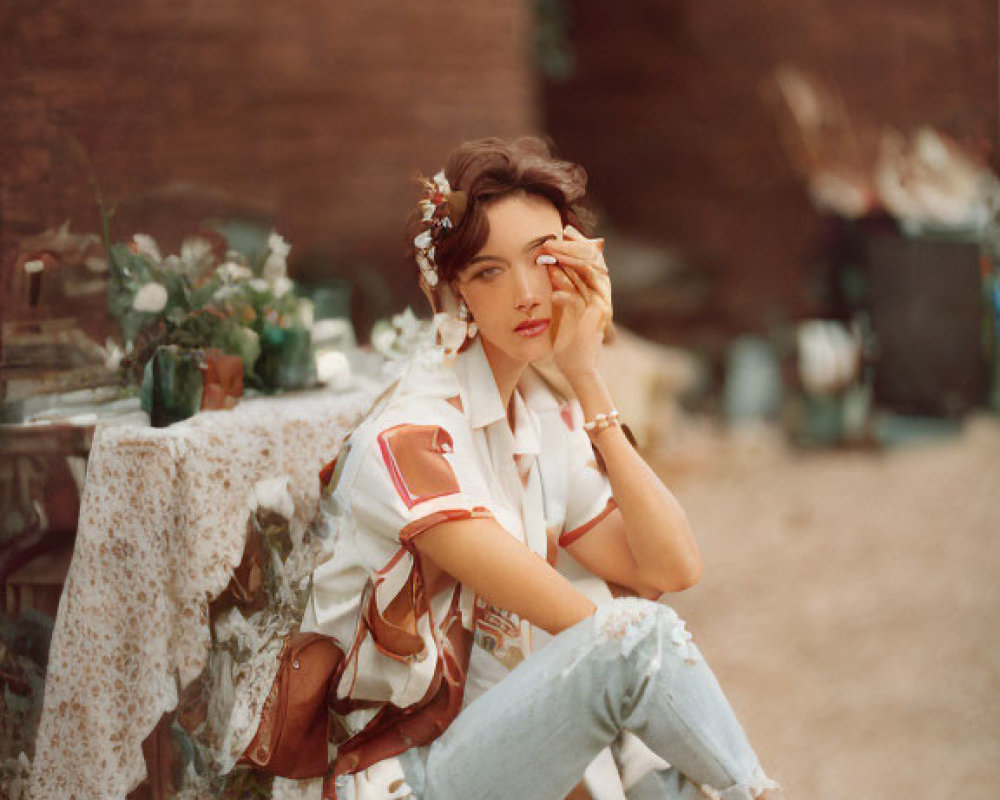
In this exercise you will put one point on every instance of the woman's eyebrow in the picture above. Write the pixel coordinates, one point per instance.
(529, 246)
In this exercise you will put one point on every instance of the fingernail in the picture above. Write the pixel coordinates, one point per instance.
(546, 259)
(571, 229)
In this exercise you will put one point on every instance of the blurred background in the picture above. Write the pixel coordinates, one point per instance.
(799, 201)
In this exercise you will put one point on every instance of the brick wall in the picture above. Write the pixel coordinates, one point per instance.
(668, 110)
(314, 113)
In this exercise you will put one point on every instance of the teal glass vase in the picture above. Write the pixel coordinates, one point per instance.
(172, 385)
(286, 358)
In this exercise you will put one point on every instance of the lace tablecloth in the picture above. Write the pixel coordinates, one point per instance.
(162, 525)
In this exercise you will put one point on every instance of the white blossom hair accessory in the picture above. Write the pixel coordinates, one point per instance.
(441, 210)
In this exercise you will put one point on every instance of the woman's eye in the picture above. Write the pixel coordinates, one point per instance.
(489, 272)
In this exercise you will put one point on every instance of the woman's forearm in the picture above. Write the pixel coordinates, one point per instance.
(503, 571)
(657, 528)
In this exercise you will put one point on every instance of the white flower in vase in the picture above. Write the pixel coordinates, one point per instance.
(196, 254)
(281, 285)
(276, 265)
(151, 298)
(225, 292)
(231, 272)
(145, 245)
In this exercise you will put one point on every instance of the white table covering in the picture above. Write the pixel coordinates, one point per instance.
(162, 525)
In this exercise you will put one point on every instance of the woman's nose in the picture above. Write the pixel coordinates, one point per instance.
(528, 286)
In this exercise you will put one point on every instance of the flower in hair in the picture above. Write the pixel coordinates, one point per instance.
(441, 210)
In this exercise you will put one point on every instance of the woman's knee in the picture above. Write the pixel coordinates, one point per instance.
(631, 621)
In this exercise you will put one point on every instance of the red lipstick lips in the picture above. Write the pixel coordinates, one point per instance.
(532, 327)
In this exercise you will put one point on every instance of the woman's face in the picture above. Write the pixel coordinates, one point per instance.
(509, 294)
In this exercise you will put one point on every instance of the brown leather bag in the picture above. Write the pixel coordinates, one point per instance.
(291, 740)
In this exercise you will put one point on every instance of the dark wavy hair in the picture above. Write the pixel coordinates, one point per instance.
(490, 169)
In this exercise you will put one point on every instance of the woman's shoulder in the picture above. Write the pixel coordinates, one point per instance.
(405, 424)
(412, 411)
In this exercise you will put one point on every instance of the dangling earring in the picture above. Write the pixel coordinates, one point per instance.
(471, 329)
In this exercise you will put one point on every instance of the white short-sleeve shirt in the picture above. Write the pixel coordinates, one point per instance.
(420, 458)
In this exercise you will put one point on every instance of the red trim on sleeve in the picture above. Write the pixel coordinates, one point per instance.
(568, 537)
(418, 526)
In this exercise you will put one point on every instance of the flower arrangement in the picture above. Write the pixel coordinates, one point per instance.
(211, 296)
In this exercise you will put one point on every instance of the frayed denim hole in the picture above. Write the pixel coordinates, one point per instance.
(626, 621)
(623, 624)
(616, 629)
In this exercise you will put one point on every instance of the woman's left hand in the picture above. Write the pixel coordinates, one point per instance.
(581, 300)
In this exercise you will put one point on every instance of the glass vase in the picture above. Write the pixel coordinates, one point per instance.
(172, 385)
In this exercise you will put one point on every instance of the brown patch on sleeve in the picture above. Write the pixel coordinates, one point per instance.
(414, 455)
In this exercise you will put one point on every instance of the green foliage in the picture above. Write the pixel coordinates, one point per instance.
(195, 301)
(128, 272)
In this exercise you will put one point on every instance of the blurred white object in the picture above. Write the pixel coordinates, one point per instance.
(334, 332)
(841, 190)
(332, 338)
(929, 181)
(333, 369)
(401, 336)
(829, 356)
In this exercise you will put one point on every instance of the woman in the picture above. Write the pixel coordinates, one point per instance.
(497, 449)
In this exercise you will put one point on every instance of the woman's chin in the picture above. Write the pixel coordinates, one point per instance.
(525, 350)
(541, 351)
(535, 347)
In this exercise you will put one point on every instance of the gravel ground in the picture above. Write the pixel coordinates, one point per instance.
(849, 606)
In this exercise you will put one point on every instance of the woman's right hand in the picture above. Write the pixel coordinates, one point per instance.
(581, 299)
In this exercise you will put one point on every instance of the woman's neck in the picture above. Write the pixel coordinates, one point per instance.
(506, 372)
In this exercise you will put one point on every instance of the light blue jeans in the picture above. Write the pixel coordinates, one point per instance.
(631, 667)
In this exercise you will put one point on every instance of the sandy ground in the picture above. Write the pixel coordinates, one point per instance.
(849, 606)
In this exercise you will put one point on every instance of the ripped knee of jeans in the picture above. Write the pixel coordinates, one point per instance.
(626, 623)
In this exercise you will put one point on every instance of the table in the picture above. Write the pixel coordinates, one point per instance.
(162, 525)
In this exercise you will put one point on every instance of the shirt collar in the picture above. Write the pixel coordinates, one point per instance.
(480, 395)
(481, 398)
(527, 435)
